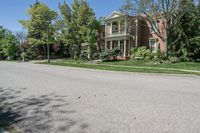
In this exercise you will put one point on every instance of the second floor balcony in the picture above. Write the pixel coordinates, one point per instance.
(116, 28)
(118, 24)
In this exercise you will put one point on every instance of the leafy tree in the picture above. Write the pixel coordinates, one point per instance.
(8, 44)
(67, 28)
(40, 25)
(186, 34)
(79, 25)
(155, 11)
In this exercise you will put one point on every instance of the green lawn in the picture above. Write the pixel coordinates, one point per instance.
(141, 63)
(134, 66)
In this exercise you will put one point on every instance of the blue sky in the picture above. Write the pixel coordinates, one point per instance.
(13, 10)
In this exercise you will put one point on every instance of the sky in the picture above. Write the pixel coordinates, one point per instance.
(11, 11)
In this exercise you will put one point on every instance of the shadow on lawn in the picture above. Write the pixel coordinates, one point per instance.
(45, 113)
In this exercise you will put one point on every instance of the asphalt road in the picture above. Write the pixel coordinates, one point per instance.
(51, 99)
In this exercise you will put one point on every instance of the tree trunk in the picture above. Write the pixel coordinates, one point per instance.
(44, 51)
(79, 49)
(72, 53)
(165, 40)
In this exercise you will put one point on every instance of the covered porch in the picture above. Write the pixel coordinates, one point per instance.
(124, 44)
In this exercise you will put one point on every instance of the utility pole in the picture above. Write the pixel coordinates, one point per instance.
(136, 34)
(48, 51)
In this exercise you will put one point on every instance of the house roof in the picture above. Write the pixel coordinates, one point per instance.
(114, 14)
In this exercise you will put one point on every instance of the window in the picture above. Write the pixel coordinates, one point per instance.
(154, 28)
(152, 45)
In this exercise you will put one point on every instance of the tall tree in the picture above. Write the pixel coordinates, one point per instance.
(40, 25)
(154, 11)
(80, 25)
(186, 33)
(8, 44)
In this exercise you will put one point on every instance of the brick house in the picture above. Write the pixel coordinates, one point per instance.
(127, 32)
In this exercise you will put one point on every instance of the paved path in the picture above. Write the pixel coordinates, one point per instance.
(51, 99)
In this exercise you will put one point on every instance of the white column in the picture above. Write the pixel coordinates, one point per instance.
(125, 26)
(119, 44)
(106, 27)
(125, 48)
(119, 27)
(111, 27)
(111, 44)
(130, 47)
(106, 44)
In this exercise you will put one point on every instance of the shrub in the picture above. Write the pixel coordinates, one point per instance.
(84, 55)
(110, 54)
(40, 57)
(96, 56)
(92, 48)
(133, 50)
(105, 55)
(141, 52)
(115, 52)
(174, 60)
(184, 59)
(24, 56)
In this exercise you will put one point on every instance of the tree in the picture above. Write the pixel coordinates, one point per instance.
(79, 25)
(40, 25)
(67, 28)
(22, 38)
(155, 11)
(8, 44)
(186, 33)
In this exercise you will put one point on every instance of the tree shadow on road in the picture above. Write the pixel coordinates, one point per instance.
(34, 114)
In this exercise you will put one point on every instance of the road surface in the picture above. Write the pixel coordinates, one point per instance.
(52, 99)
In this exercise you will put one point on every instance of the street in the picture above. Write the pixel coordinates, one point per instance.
(38, 98)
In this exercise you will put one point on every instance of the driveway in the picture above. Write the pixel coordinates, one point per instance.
(52, 99)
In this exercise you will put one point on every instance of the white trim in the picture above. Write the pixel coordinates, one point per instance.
(111, 44)
(113, 13)
(124, 47)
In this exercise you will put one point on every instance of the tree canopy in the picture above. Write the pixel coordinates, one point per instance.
(78, 25)
(8, 44)
(40, 25)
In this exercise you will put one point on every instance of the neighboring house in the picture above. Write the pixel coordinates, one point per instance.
(127, 32)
